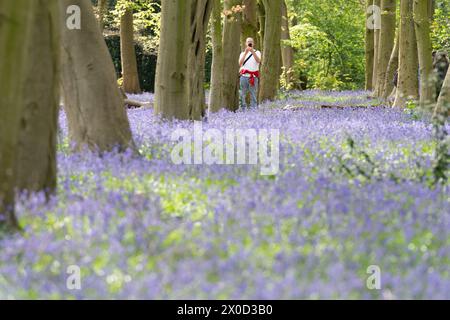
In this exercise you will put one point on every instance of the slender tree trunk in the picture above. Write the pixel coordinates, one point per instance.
(200, 14)
(386, 42)
(369, 48)
(270, 71)
(36, 161)
(287, 52)
(171, 90)
(15, 22)
(262, 24)
(102, 11)
(376, 47)
(231, 51)
(250, 22)
(128, 54)
(92, 100)
(443, 105)
(408, 84)
(425, 49)
(391, 69)
(216, 93)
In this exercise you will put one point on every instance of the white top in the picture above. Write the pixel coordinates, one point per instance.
(251, 64)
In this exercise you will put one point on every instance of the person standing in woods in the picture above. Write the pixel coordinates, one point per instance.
(249, 62)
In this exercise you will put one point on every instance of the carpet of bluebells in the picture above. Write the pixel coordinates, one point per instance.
(144, 228)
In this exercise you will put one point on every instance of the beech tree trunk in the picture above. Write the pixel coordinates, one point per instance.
(369, 49)
(15, 23)
(408, 83)
(376, 47)
(443, 105)
(36, 161)
(391, 69)
(386, 42)
(102, 10)
(171, 88)
(287, 52)
(425, 49)
(250, 22)
(200, 14)
(128, 54)
(262, 24)
(92, 100)
(217, 68)
(231, 51)
(270, 71)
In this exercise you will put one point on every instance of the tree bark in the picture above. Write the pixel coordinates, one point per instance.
(171, 89)
(92, 100)
(391, 69)
(287, 52)
(128, 54)
(408, 84)
(443, 105)
(262, 24)
(250, 22)
(102, 10)
(270, 71)
(376, 48)
(369, 49)
(231, 51)
(200, 14)
(425, 49)
(386, 42)
(216, 93)
(36, 161)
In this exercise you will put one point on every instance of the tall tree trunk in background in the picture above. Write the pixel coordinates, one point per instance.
(386, 42)
(391, 69)
(270, 71)
(287, 52)
(102, 11)
(425, 49)
(443, 105)
(376, 45)
(171, 87)
(262, 24)
(128, 54)
(231, 51)
(250, 22)
(36, 161)
(431, 9)
(369, 47)
(200, 14)
(15, 24)
(92, 100)
(408, 84)
(216, 93)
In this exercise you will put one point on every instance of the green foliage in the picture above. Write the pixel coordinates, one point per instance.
(328, 37)
(440, 28)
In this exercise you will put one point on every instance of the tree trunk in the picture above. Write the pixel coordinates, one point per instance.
(262, 24)
(250, 22)
(92, 100)
(171, 89)
(231, 51)
(14, 25)
(425, 49)
(36, 161)
(128, 54)
(391, 69)
(386, 42)
(369, 48)
(287, 52)
(443, 105)
(270, 71)
(376, 48)
(408, 84)
(216, 93)
(200, 14)
(102, 10)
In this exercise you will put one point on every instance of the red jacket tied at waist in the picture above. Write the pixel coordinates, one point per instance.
(252, 74)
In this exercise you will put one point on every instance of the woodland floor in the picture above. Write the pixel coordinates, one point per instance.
(142, 227)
